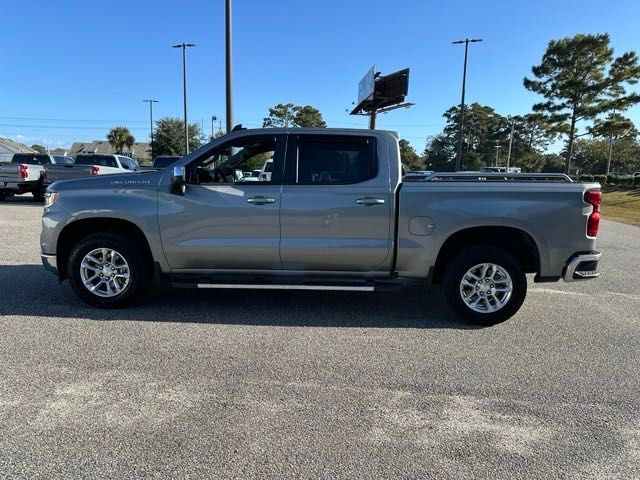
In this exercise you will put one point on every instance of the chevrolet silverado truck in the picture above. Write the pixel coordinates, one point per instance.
(333, 215)
(90, 164)
(24, 174)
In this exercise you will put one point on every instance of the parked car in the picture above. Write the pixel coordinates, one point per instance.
(163, 161)
(334, 216)
(265, 173)
(24, 174)
(87, 165)
(63, 160)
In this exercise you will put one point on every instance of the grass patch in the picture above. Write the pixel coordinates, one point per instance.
(622, 205)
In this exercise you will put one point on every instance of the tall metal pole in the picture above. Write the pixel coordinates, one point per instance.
(466, 42)
(510, 143)
(184, 47)
(151, 102)
(228, 65)
(372, 119)
(610, 145)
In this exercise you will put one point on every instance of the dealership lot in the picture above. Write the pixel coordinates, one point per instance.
(335, 385)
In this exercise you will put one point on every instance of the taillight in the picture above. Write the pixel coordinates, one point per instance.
(594, 198)
(24, 170)
(95, 170)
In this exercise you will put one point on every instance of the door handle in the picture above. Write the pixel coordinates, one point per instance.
(370, 201)
(261, 200)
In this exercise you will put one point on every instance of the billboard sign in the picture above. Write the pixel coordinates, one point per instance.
(367, 85)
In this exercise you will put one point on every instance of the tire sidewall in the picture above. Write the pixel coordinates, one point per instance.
(138, 279)
(467, 259)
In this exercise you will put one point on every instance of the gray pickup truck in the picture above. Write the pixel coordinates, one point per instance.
(334, 215)
(24, 174)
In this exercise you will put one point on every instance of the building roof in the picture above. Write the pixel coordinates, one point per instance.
(9, 146)
(139, 149)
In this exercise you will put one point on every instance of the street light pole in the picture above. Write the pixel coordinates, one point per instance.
(151, 102)
(228, 65)
(184, 47)
(466, 42)
(510, 143)
(497, 147)
(213, 128)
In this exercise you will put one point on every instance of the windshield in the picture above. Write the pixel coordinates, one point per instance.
(31, 158)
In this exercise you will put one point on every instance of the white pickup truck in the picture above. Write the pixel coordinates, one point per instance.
(24, 174)
(87, 165)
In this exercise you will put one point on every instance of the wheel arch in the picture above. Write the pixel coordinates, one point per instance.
(519, 243)
(75, 231)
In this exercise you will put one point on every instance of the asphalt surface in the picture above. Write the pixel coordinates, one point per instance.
(316, 385)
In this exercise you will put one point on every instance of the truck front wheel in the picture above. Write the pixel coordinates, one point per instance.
(484, 285)
(107, 270)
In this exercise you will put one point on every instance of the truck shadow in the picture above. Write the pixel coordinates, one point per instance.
(28, 290)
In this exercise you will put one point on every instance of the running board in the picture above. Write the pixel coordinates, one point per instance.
(262, 286)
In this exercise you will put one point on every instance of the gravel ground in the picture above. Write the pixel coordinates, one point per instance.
(316, 385)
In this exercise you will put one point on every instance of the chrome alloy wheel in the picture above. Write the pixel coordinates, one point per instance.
(104, 272)
(486, 288)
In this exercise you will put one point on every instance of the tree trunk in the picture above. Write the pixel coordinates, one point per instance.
(572, 133)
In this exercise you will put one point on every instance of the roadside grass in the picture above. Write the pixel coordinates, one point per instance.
(621, 205)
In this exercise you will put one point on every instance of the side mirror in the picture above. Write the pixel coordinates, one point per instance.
(178, 180)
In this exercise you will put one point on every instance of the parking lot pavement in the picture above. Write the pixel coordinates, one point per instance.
(316, 385)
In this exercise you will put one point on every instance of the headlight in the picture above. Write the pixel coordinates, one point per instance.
(50, 198)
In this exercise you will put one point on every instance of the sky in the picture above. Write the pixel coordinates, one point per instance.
(71, 70)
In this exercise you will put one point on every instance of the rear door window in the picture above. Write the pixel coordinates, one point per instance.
(335, 160)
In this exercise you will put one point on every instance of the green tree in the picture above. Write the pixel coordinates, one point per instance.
(439, 153)
(580, 79)
(553, 163)
(592, 155)
(281, 115)
(613, 127)
(290, 115)
(39, 148)
(308, 116)
(169, 136)
(120, 137)
(408, 156)
(218, 134)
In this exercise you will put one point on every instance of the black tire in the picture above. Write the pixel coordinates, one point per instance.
(38, 195)
(456, 269)
(140, 270)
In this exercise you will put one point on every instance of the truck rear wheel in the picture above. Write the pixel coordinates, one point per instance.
(108, 270)
(484, 285)
(38, 195)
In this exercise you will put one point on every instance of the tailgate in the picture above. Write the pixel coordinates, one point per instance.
(66, 172)
(9, 173)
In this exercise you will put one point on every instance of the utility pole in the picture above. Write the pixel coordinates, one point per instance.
(184, 47)
(497, 147)
(510, 142)
(228, 65)
(610, 144)
(466, 42)
(151, 102)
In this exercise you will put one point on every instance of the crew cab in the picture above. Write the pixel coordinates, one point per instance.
(24, 174)
(333, 215)
(92, 164)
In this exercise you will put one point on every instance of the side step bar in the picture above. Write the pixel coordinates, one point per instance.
(262, 286)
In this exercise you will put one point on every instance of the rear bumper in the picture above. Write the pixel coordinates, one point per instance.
(50, 263)
(582, 266)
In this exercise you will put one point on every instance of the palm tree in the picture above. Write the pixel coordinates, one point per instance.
(120, 137)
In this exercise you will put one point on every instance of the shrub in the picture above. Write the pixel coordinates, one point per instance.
(601, 179)
(586, 178)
